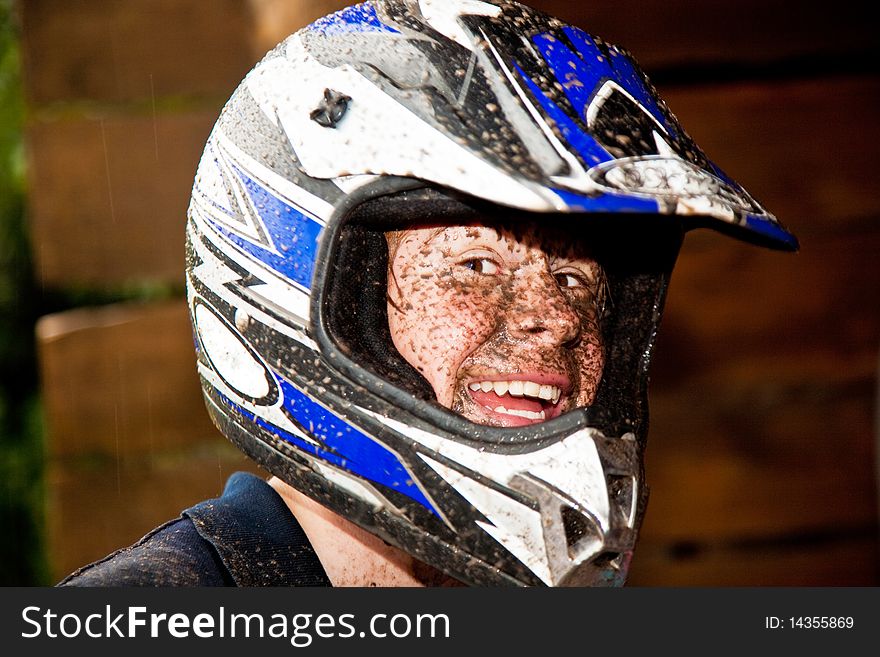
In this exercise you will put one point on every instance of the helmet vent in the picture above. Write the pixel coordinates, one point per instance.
(577, 527)
(621, 495)
(607, 560)
(332, 108)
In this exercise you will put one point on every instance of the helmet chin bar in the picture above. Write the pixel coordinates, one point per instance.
(585, 546)
(583, 549)
(566, 512)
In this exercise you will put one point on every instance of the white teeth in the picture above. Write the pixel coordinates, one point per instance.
(519, 389)
(526, 414)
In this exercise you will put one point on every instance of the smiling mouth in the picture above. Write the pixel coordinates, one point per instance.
(520, 399)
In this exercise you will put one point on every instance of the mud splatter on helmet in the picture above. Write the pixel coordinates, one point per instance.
(397, 111)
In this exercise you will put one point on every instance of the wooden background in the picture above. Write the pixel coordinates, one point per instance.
(762, 454)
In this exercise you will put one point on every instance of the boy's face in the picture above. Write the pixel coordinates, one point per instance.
(501, 320)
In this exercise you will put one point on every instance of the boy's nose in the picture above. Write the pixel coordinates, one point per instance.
(540, 310)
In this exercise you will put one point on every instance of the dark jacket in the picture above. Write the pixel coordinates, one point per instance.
(246, 537)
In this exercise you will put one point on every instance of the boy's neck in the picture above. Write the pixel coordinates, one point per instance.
(350, 555)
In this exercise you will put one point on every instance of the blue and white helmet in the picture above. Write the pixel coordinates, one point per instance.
(398, 110)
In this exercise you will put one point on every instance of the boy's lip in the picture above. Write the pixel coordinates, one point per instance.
(519, 398)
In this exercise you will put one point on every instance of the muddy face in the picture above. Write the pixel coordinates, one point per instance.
(502, 323)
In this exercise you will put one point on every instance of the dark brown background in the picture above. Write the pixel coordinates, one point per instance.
(762, 453)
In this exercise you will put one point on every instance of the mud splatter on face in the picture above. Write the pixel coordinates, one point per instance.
(501, 320)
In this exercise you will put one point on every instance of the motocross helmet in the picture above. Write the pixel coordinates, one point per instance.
(398, 111)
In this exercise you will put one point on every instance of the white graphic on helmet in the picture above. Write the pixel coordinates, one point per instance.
(267, 295)
(360, 143)
(515, 526)
(443, 15)
(576, 176)
(236, 364)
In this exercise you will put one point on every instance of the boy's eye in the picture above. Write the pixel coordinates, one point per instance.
(481, 266)
(567, 280)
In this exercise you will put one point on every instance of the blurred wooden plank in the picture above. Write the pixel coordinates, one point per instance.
(100, 505)
(130, 443)
(732, 305)
(851, 561)
(134, 49)
(109, 198)
(740, 468)
(763, 395)
(121, 380)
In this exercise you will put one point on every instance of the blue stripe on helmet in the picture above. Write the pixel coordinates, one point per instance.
(606, 202)
(581, 73)
(348, 448)
(626, 75)
(359, 18)
(579, 76)
(770, 229)
(620, 69)
(580, 141)
(294, 235)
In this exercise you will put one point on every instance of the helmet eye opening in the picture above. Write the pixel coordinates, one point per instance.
(354, 332)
